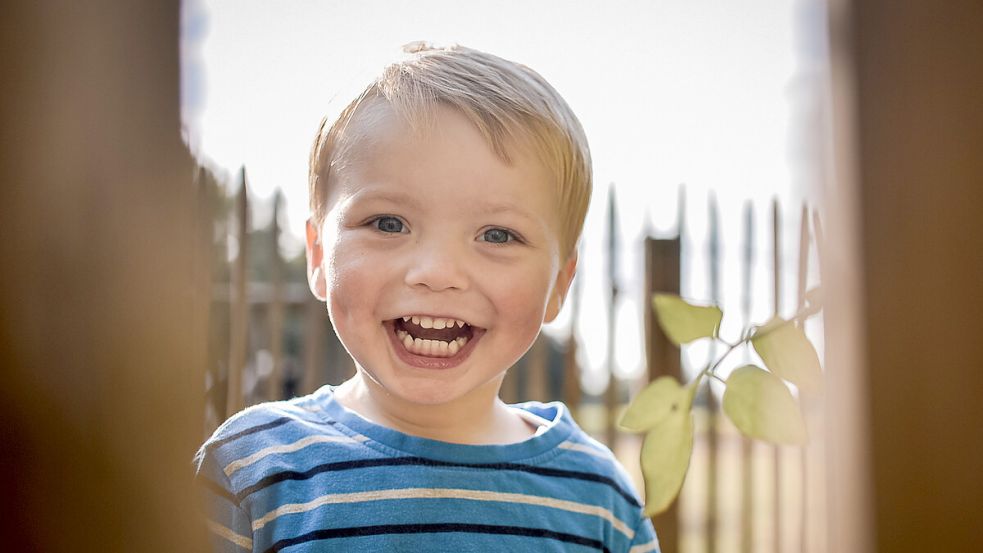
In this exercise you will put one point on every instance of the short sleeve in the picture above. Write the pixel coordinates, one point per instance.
(228, 524)
(645, 540)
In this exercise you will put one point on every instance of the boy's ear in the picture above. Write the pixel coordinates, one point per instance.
(561, 287)
(315, 255)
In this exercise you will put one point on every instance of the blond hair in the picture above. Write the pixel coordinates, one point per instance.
(508, 103)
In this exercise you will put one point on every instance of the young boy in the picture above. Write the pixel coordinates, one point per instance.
(446, 203)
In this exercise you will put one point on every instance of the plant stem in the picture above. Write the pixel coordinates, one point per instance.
(714, 375)
(711, 369)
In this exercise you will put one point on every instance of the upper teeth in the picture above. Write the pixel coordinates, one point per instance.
(433, 322)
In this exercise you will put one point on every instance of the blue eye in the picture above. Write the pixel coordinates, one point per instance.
(388, 224)
(498, 236)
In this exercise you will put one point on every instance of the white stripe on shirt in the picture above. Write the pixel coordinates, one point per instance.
(288, 448)
(241, 541)
(645, 547)
(583, 448)
(446, 493)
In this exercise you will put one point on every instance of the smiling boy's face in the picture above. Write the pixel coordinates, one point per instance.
(437, 231)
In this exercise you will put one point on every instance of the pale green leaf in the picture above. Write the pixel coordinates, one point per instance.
(684, 322)
(789, 354)
(761, 406)
(665, 458)
(659, 399)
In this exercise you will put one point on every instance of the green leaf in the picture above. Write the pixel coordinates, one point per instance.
(760, 405)
(665, 458)
(662, 397)
(684, 322)
(788, 353)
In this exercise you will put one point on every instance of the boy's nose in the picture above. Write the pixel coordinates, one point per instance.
(437, 268)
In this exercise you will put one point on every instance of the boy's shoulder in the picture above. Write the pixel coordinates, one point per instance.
(578, 450)
(266, 428)
(591, 470)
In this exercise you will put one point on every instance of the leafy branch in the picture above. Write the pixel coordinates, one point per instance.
(757, 400)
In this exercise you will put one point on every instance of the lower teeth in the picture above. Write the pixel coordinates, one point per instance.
(431, 348)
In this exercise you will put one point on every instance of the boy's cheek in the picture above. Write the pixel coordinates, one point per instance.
(348, 252)
(523, 299)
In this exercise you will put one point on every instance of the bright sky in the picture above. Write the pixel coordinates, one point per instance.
(710, 93)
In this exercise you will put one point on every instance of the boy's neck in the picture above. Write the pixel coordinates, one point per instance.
(477, 419)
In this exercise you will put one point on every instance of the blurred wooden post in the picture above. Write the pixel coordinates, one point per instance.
(101, 402)
(712, 410)
(662, 356)
(818, 237)
(776, 233)
(611, 396)
(571, 370)
(804, 399)
(219, 294)
(275, 383)
(238, 304)
(204, 241)
(747, 458)
(536, 369)
(917, 78)
(204, 227)
(905, 236)
(314, 316)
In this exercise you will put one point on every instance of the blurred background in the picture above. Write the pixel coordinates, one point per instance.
(154, 196)
(706, 124)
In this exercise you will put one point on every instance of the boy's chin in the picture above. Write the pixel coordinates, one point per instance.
(430, 394)
(420, 394)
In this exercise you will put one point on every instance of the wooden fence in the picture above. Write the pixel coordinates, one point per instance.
(271, 339)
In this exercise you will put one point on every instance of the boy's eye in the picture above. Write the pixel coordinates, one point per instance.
(388, 224)
(497, 236)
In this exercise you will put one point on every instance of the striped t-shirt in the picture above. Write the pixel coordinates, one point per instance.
(310, 475)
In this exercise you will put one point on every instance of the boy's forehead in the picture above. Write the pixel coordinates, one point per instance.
(377, 125)
(381, 136)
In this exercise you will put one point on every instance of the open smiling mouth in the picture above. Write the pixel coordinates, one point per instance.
(434, 336)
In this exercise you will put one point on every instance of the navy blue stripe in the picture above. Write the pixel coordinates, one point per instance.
(384, 529)
(252, 430)
(265, 426)
(588, 476)
(419, 461)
